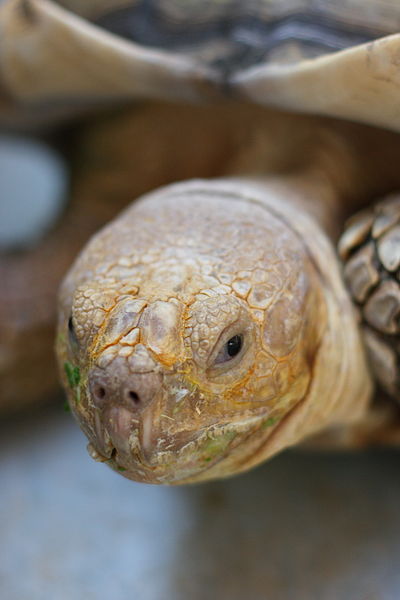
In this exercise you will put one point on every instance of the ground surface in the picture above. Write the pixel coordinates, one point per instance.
(304, 526)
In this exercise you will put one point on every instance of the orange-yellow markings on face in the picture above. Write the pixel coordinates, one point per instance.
(131, 338)
(160, 331)
(241, 288)
(116, 325)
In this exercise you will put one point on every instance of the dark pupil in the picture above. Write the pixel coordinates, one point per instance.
(234, 345)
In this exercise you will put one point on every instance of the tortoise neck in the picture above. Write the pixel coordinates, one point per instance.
(319, 162)
(349, 167)
(344, 168)
(332, 168)
(311, 192)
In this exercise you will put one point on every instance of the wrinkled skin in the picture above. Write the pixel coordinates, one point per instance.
(150, 312)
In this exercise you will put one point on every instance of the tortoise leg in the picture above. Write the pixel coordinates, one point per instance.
(370, 251)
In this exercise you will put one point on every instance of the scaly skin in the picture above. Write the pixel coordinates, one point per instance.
(147, 310)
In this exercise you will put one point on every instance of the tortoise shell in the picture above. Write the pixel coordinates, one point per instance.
(232, 36)
(338, 58)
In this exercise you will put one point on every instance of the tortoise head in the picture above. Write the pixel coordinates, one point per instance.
(189, 332)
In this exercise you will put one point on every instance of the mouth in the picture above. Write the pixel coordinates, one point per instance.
(175, 464)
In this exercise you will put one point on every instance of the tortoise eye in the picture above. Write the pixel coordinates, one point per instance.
(234, 345)
(230, 349)
(73, 340)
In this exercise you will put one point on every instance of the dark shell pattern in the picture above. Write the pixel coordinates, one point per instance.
(232, 35)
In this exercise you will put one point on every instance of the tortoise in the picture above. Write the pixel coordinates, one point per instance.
(210, 325)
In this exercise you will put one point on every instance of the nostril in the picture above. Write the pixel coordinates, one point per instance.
(99, 392)
(99, 388)
(134, 397)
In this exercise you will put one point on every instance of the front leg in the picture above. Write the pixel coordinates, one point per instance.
(370, 249)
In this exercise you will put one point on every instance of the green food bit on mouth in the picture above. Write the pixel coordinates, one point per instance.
(121, 469)
(66, 407)
(269, 422)
(73, 374)
(215, 446)
(74, 377)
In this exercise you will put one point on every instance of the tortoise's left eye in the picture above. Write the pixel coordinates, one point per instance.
(234, 345)
(73, 340)
(230, 349)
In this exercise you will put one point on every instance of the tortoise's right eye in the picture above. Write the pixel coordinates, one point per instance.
(73, 340)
